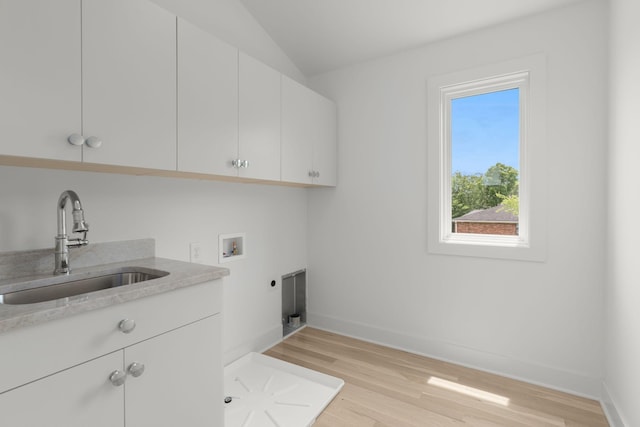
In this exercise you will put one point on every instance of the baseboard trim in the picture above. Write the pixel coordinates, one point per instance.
(610, 409)
(554, 378)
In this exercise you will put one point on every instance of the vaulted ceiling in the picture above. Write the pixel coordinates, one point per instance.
(322, 35)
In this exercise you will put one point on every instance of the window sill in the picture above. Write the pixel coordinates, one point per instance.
(487, 246)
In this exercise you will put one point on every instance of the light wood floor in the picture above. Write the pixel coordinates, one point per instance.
(387, 387)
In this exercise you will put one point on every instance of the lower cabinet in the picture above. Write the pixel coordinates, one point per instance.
(170, 380)
(181, 384)
(151, 362)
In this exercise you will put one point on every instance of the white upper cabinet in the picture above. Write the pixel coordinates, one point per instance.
(297, 132)
(207, 102)
(325, 147)
(140, 87)
(40, 78)
(129, 83)
(259, 138)
(308, 136)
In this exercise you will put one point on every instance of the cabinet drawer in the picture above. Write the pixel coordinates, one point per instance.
(36, 351)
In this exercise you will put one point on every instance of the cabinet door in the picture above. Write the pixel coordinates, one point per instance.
(40, 78)
(182, 380)
(207, 102)
(308, 135)
(298, 125)
(78, 397)
(129, 83)
(259, 138)
(325, 142)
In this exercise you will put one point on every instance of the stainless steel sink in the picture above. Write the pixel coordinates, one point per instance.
(79, 286)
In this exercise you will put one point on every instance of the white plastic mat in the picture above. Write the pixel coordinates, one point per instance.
(266, 392)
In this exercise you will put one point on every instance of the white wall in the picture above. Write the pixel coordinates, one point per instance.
(230, 21)
(175, 212)
(369, 271)
(622, 346)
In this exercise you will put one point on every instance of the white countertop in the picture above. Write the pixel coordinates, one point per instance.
(181, 274)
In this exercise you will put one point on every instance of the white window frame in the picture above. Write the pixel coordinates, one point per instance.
(529, 76)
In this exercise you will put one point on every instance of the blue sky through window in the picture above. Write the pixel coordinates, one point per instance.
(485, 129)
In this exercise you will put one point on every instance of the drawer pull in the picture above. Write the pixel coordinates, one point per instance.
(127, 325)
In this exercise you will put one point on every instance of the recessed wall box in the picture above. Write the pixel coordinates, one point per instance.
(231, 247)
(294, 301)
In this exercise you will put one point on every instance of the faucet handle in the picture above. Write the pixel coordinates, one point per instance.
(79, 242)
(74, 243)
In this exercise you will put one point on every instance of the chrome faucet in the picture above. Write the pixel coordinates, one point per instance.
(79, 226)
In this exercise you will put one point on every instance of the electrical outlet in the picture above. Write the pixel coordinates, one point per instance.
(195, 253)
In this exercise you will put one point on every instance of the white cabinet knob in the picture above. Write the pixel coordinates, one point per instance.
(127, 325)
(94, 142)
(76, 139)
(136, 369)
(117, 378)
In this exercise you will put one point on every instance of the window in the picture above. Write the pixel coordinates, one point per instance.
(484, 132)
(486, 161)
